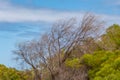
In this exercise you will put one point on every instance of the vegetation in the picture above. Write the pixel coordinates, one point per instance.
(13, 74)
(70, 51)
(103, 65)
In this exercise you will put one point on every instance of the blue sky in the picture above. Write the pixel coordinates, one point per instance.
(22, 20)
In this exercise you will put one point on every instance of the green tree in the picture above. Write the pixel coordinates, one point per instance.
(103, 65)
(111, 39)
(12, 74)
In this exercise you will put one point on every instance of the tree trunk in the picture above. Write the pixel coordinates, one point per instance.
(37, 75)
(52, 77)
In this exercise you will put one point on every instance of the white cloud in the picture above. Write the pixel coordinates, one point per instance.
(10, 13)
(30, 15)
(110, 19)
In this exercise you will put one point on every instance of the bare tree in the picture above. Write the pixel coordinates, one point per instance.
(66, 35)
(27, 53)
(55, 47)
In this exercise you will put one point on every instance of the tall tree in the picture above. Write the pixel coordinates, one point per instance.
(54, 47)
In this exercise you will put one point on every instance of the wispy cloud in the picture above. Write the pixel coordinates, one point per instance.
(13, 14)
(24, 30)
(110, 19)
(29, 15)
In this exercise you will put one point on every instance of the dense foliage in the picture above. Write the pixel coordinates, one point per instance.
(104, 65)
(111, 40)
(13, 74)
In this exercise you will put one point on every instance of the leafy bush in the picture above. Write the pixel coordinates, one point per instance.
(104, 65)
